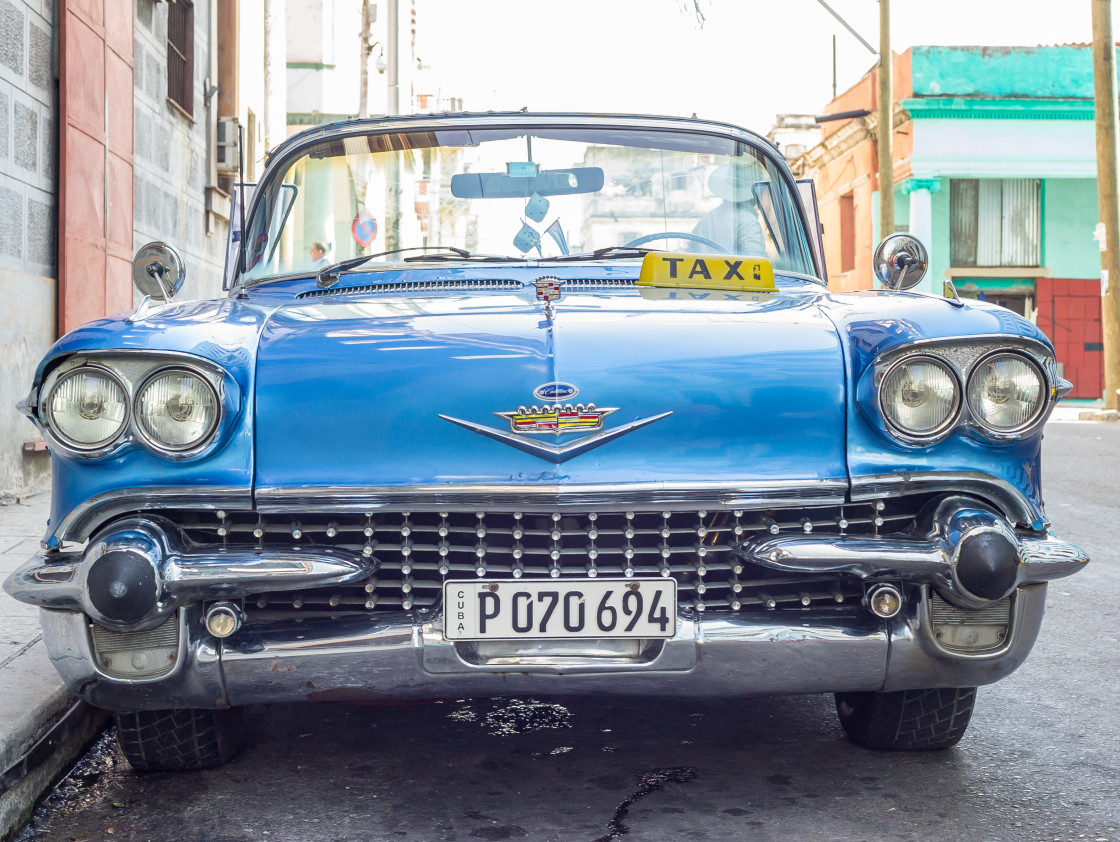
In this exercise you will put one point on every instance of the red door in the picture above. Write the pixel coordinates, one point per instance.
(1069, 312)
(95, 161)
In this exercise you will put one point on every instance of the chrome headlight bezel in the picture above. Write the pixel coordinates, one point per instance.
(132, 370)
(51, 423)
(1044, 387)
(962, 355)
(954, 412)
(148, 437)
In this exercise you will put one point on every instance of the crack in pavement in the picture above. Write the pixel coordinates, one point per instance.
(649, 782)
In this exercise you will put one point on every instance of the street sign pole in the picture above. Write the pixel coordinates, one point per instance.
(1104, 93)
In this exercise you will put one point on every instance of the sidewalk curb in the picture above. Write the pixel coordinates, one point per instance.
(68, 727)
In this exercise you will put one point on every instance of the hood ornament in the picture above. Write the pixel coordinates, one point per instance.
(555, 420)
(548, 290)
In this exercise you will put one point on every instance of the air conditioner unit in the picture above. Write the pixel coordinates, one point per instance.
(227, 145)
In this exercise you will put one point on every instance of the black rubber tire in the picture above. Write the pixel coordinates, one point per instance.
(178, 740)
(906, 720)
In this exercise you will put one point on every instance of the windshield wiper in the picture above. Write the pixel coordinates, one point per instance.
(459, 254)
(328, 276)
(607, 252)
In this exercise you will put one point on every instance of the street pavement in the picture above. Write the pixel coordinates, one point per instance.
(1041, 760)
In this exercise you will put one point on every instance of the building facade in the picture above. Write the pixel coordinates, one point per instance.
(28, 205)
(109, 117)
(994, 170)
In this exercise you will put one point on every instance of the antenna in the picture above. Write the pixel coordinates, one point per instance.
(241, 198)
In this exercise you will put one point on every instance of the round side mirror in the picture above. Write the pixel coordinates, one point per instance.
(158, 271)
(900, 261)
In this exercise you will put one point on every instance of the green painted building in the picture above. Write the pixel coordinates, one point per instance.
(995, 170)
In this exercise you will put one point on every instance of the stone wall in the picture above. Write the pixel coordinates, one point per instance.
(171, 153)
(28, 224)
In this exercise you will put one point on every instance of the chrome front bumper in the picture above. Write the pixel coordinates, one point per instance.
(366, 658)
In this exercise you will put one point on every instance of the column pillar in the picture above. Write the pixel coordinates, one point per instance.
(920, 191)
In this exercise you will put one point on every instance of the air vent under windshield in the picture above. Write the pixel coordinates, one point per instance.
(416, 286)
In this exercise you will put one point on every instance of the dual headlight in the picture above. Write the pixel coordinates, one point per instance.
(175, 409)
(920, 395)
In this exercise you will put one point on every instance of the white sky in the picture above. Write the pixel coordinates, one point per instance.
(750, 60)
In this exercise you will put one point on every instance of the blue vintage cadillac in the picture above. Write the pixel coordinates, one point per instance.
(531, 404)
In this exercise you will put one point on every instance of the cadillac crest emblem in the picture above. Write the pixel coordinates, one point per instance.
(555, 420)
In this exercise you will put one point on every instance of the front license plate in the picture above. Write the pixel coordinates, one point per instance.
(595, 608)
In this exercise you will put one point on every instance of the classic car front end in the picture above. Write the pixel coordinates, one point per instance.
(426, 470)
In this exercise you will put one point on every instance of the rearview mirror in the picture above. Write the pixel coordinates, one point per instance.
(500, 185)
(158, 271)
(900, 261)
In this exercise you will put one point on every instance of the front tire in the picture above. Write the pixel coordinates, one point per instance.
(906, 720)
(178, 740)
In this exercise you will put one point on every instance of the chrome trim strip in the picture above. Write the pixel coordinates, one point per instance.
(605, 497)
(1012, 502)
(83, 520)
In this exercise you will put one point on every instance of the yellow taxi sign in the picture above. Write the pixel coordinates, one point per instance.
(694, 271)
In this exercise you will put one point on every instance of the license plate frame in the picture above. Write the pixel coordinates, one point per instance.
(516, 609)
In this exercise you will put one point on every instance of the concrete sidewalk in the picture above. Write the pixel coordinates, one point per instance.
(32, 698)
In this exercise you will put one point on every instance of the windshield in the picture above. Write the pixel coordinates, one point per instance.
(526, 194)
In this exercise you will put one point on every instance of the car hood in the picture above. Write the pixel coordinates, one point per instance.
(380, 392)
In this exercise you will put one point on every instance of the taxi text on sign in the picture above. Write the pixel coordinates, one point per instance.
(704, 272)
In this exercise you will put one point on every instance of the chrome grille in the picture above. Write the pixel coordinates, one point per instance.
(418, 551)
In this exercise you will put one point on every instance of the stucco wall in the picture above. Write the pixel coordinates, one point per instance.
(171, 153)
(1069, 215)
(28, 254)
(1057, 71)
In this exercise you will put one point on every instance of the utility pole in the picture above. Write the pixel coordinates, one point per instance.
(886, 123)
(1104, 94)
(275, 75)
(392, 107)
(365, 38)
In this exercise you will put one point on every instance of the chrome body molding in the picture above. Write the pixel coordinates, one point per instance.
(648, 496)
(395, 656)
(85, 518)
(921, 561)
(59, 580)
(1015, 506)
(195, 679)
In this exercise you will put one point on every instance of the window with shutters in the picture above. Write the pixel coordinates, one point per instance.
(180, 55)
(995, 222)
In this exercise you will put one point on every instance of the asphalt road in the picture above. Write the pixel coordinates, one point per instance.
(1041, 760)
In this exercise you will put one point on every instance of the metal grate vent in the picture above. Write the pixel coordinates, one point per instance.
(417, 286)
(583, 284)
(944, 613)
(136, 654)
